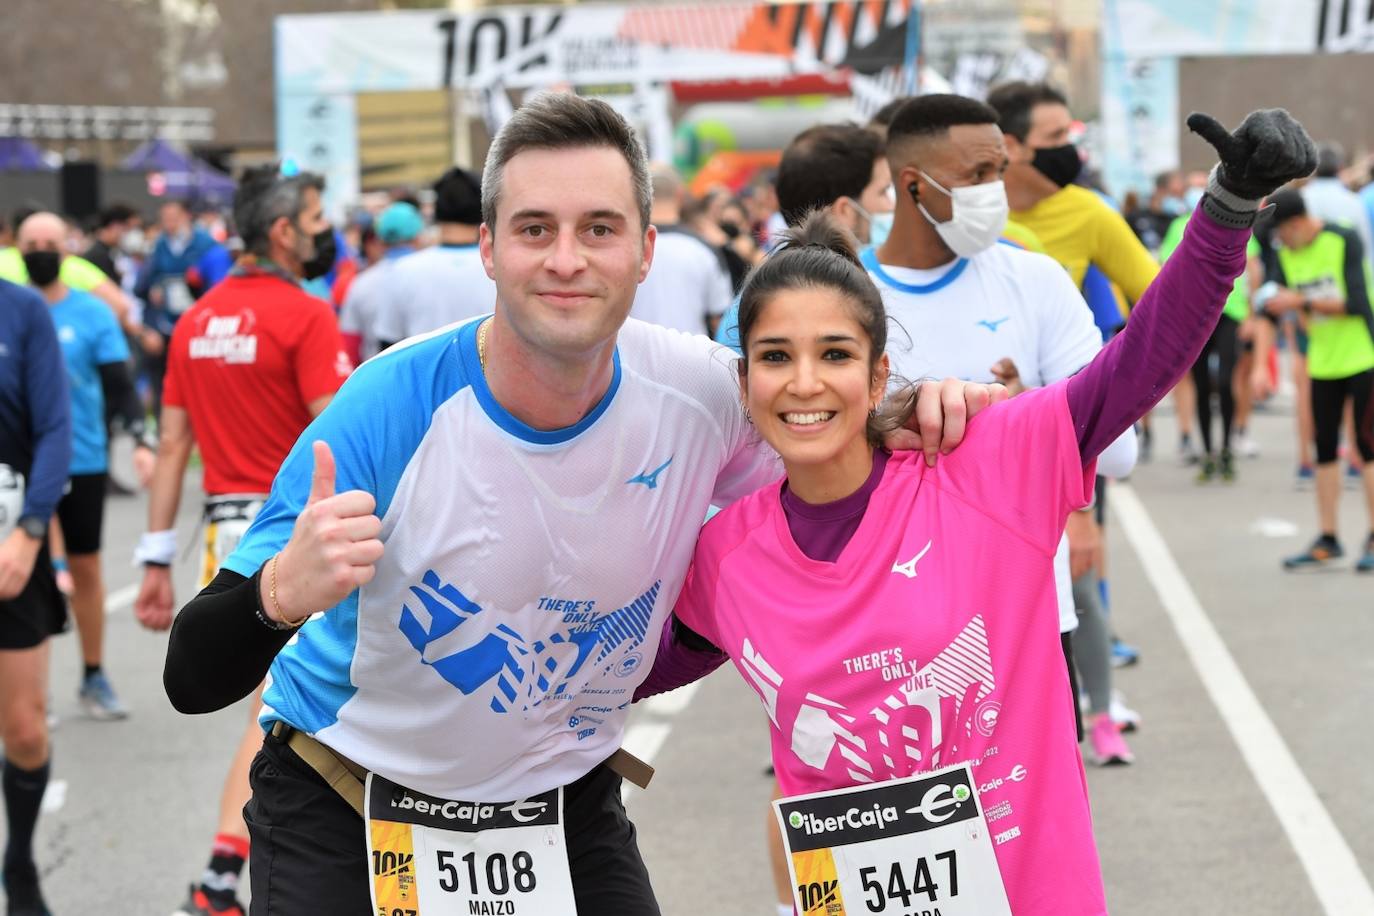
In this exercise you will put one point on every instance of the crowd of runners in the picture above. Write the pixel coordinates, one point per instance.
(456, 455)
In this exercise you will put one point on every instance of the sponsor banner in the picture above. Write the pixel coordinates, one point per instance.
(390, 802)
(885, 810)
(545, 45)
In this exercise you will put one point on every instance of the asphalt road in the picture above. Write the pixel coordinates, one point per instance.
(1249, 795)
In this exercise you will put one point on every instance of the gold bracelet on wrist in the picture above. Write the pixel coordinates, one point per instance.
(282, 623)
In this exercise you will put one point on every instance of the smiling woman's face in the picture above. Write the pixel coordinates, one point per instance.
(810, 383)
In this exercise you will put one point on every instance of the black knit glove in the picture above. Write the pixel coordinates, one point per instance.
(1268, 150)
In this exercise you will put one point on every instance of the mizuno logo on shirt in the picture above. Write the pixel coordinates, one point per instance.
(908, 568)
(650, 478)
(994, 324)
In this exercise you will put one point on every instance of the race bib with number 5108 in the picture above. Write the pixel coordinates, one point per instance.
(909, 847)
(439, 857)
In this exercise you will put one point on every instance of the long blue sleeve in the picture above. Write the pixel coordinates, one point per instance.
(35, 407)
(50, 418)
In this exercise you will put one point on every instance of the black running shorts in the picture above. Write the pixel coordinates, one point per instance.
(36, 613)
(308, 852)
(1329, 397)
(82, 513)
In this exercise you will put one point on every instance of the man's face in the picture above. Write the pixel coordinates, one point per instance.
(308, 223)
(875, 198)
(174, 219)
(1049, 128)
(568, 249)
(969, 154)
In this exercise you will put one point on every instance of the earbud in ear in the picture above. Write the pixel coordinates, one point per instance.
(911, 189)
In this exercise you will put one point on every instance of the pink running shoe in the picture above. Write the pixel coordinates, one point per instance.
(1108, 747)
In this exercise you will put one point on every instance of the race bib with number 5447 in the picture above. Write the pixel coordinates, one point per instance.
(909, 847)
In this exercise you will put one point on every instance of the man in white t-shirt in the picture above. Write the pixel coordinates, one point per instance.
(964, 303)
(446, 283)
(688, 288)
(398, 227)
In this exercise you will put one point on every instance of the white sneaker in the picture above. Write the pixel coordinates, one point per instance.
(1126, 718)
(1245, 446)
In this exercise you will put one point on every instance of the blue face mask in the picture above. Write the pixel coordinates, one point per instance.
(879, 224)
(1192, 197)
(879, 228)
(1173, 206)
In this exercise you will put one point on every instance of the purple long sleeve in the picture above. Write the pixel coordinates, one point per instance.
(676, 664)
(1167, 330)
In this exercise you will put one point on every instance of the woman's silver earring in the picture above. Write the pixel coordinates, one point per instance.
(749, 418)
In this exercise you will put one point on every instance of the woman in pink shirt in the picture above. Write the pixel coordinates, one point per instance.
(897, 618)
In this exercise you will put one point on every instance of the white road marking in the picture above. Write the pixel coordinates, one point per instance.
(54, 796)
(121, 598)
(1273, 527)
(1331, 866)
(652, 725)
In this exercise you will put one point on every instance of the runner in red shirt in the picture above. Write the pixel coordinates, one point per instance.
(248, 367)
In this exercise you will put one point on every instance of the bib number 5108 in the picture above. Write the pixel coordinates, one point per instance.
(500, 874)
(922, 882)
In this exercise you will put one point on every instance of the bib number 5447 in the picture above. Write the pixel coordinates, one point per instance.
(923, 882)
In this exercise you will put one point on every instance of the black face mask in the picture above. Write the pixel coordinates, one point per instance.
(730, 229)
(43, 266)
(1059, 164)
(325, 252)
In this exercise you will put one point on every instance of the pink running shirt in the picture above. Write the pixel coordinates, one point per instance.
(931, 640)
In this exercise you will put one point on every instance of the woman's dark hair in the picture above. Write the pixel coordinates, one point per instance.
(818, 253)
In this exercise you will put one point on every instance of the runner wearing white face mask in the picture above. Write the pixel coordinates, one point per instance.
(978, 214)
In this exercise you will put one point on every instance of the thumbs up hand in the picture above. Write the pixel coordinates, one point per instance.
(332, 551)
(1268, 150)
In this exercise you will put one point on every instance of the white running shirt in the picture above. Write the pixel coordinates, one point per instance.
(366, 301)
(686, 283)
(433, 288)
(527, 573)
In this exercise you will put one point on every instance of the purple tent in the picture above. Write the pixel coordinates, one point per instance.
(157, 156)
(19, 155)
(184, 176)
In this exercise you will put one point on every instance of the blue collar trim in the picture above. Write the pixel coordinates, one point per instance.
(869, 258)
(472, 367)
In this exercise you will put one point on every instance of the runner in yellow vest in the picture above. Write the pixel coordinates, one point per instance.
(1325, 278)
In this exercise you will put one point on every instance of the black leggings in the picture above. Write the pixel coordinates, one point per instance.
(1328, 408)
(1223, 343)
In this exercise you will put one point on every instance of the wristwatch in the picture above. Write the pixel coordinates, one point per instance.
(33, 526)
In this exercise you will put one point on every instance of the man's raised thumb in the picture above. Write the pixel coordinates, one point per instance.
(322, 477)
